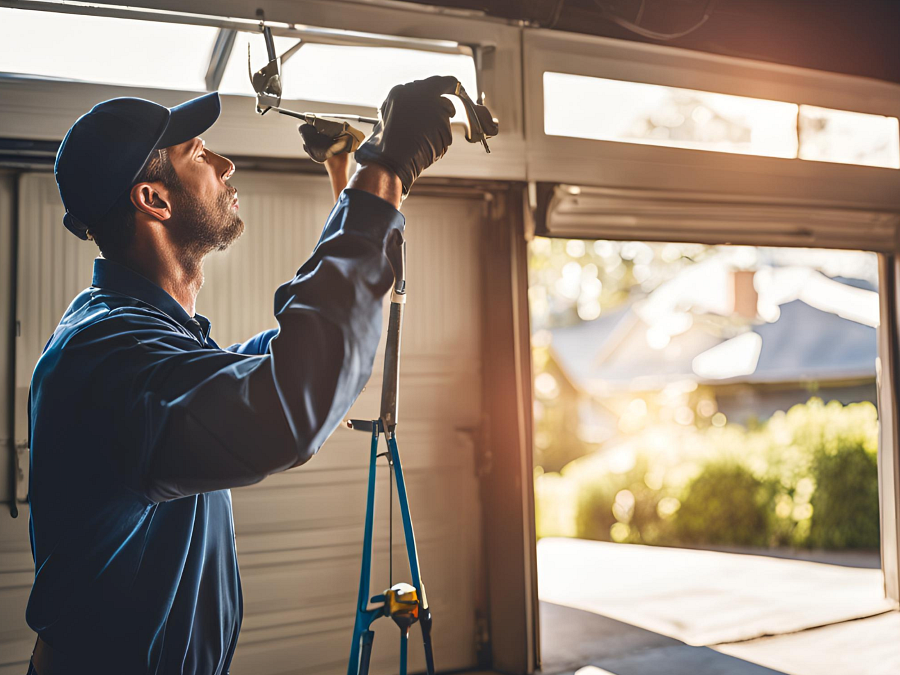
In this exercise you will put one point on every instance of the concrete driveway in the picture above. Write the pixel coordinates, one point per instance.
(637, 610)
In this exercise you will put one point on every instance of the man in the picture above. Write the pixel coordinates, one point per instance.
(140, 423)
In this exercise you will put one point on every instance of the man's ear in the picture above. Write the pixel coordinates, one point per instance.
(152, 199)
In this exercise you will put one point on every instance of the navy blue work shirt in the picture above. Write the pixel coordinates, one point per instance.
(139, 425)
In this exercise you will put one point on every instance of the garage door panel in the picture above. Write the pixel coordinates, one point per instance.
(438, 397)
(299, 534)
(336, 505)
(273, 539)
(270, 535)
(16, 577)
(283, 217)
(345, 457)
(318, 580)
(319, 641)
(281, 607)
(443, 306)
(276, 658)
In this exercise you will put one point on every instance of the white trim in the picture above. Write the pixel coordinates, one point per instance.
(655, 215)
(888, 438)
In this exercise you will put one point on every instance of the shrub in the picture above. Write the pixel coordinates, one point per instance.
(595, 516)
(804, 478)
(620, 507)
(845, 502)
(724, 505)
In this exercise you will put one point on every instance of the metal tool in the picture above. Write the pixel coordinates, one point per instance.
(480, 125)
(404, 603)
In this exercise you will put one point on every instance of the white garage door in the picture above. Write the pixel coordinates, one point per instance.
(299, 533)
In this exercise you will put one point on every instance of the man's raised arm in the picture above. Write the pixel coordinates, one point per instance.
(205, 420)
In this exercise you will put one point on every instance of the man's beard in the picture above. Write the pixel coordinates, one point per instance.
(205, 226)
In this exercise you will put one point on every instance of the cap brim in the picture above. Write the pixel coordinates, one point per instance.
(190, 119)
(75, 226)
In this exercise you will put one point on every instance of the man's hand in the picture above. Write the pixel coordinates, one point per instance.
(413, 131)
(331, 143)
(326, 139)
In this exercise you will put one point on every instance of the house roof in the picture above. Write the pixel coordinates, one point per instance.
(810, 344)
(821, 329)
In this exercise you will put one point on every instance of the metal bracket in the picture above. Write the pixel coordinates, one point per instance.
(269, 87)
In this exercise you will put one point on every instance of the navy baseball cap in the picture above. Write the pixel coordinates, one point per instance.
(106, 149)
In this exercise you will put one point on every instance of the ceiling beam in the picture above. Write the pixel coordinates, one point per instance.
(218, 59)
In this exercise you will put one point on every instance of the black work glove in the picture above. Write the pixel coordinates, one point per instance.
(413, 129)
(324, 139)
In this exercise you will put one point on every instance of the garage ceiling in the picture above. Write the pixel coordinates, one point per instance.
(855, 37)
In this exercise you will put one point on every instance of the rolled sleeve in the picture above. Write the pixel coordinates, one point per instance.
(255, 346)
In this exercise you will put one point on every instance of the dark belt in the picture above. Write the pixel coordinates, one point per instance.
(43, 659)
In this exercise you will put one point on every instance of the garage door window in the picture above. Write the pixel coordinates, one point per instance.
(105, 50)
(633, 112)
(343, 74)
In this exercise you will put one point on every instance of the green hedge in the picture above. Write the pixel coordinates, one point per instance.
(805, 478)
(725, 505)
(845, 502)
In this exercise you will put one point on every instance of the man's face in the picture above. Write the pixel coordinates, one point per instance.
(204, 205)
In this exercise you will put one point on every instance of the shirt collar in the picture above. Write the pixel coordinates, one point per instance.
(112, 276)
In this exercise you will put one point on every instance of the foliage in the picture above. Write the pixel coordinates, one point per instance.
(620, 507)
(724, 505)
(804, 478)
(845, 503)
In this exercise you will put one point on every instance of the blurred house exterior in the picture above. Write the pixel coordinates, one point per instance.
(724, 336)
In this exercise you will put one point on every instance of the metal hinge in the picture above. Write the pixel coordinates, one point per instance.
(483, 457)
(23, 456)
(483, 655)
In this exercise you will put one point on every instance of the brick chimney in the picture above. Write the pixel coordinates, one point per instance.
(743, 295)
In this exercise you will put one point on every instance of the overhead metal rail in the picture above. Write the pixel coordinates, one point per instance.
(221, 52)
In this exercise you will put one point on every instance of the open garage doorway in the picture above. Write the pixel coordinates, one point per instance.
(706, 457)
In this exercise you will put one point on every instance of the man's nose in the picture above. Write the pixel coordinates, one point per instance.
(227, 165)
